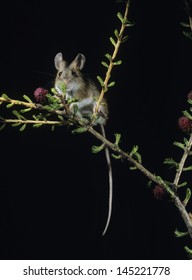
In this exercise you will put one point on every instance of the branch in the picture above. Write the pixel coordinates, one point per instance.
(124, 155)
(113, 146)
(18, 102)
(114, 55)
(31, 105)
(184, 214)
(157, 179)
(19, 121)
(182, 162)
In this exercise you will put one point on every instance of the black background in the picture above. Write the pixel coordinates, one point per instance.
(54, 191)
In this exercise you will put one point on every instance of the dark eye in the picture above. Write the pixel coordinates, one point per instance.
(59, 74)
(74, 74)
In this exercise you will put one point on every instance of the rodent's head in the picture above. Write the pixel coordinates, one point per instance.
(69, 75)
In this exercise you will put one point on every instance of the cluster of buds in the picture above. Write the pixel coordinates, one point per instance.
(40, 94)
(158, 192)
(184, 122)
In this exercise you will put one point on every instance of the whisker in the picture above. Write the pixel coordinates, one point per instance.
(45, 73)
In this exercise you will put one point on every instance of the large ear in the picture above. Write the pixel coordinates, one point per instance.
(59, 62)
(78, 62)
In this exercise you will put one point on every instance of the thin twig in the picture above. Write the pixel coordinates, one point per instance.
(184, 214)
(111, 64)
(18, 102)
(31, 105)
(19, 121)
(182, 162)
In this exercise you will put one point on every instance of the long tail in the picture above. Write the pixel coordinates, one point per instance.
(110, 182)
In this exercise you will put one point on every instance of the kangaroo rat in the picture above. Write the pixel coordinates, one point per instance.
(85, 96)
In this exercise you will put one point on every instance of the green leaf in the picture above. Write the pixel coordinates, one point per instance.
(116, 156)
(100, 80)
(185, 24)
(120, 16)
(159, 180)
(179, 233)
(186, 141)
(171, 162)
(182, 185)
(112, 41)
(187, 197)
(97, 149)
(25, 110)
(134, 150)
(60, 117)
(128, 23)
(79, 130)
(35, 117)
(187, 115)
(104, 64)
(62, 86)
(111, 84)
(116, 32)
(189, 251)
(53, 90)
(23, 127)
(125, 39)
(138, 157)
(5, 96)
(2, 126)
(71, 100)
(117, 139)
(16, 124)
(134, 153)
(189, 168)
(9, 105)
(117, 62)
(107, 55)
(27, 98)
(37, 125)
(16, 113)
(149, 184)
(180, 145)
(133, 168)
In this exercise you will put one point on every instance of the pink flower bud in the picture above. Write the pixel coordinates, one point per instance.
(40, 94)
(158, 192)
(184, 123)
